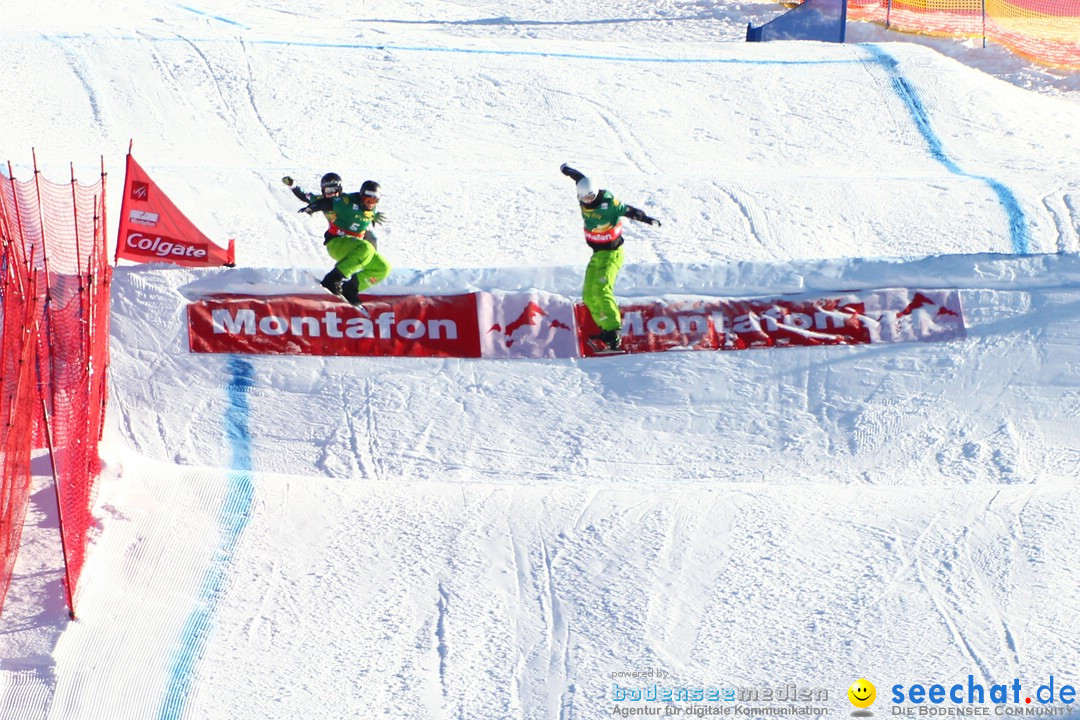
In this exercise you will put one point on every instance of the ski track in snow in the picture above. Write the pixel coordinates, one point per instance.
(754, 221)
(79, 69)
(1062, 209)
(558, 641)
(223, 109)
(440, 637)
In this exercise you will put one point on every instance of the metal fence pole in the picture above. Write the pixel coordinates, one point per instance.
(984, 22)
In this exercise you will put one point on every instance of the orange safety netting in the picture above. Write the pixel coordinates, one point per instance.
(1045, 31)
(55, 250)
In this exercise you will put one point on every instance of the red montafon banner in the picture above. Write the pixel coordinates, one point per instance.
(856, 318)
(399, 326)
(152, 228)
(535, 324)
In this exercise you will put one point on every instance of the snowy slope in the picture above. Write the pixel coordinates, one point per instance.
(286, 537)
(721, 139)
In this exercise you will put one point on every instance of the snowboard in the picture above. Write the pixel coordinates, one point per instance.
(599, 348)
(359, 306)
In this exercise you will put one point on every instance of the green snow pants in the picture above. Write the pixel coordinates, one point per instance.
(599, 291)
(356, 255)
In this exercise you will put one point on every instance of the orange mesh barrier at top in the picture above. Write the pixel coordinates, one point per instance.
(1045, 31)
(1040, 31)
(57, 233)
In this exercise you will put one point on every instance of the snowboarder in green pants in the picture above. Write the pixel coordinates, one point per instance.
(603, 213)
(349, 239)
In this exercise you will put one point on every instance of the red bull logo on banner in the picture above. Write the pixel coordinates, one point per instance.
(527, 325)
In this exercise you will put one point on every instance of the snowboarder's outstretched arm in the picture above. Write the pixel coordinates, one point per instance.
(297, 191)
(634, 214)
(571, 172)
(319, 204)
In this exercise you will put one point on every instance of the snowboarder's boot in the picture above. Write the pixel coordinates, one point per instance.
(351, 290)
(333, 281)
(610, 340)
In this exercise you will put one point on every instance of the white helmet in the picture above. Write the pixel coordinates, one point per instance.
(586, 190)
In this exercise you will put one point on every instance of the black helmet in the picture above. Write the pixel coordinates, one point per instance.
(370, 188)
(331, 184)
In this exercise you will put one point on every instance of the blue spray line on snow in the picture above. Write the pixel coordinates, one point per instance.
(470, 51)
(1018, 230)
(219, 18)
(233, 518)
(547, 54)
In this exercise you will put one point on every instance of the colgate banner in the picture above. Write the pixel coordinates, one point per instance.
(871, 316)
(399, 326)
(152, 228)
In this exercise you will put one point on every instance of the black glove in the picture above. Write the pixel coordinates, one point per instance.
(310, 208)
(287, 180)
(634, 214)
(570, 172)
(379, 218)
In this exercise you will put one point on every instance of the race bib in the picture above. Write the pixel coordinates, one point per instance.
(604, 237)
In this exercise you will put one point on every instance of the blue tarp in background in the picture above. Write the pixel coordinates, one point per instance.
(823, 20)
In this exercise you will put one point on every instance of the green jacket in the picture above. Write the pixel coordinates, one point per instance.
(345, 212)
(603, 221)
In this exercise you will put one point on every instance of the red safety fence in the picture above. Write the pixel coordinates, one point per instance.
(18, 395)
(56, 257)
(1045, 31)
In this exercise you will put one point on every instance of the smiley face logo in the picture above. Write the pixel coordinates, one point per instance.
(862, 693)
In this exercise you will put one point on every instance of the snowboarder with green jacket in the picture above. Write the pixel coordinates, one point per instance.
(602, 213)
(349, 239)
